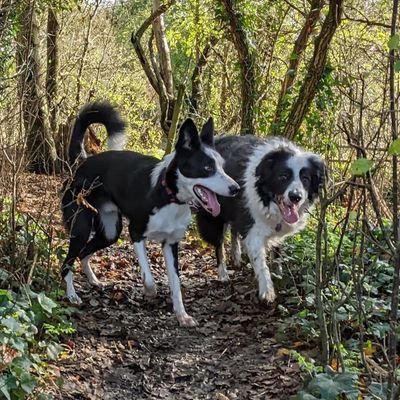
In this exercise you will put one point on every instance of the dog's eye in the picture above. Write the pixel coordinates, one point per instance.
(283, 178)
(305, 179)
(208, 168)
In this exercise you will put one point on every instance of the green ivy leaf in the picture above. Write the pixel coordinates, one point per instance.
(4, 387)
(397, 66)
(27, 382)
(13, 325)
(305, 396)
(330, 387)
(361, 166)
(53, 350)
(394, 148)
(394, 42)
(46, 303)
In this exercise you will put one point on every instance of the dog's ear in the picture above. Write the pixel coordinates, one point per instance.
(319, 174)
(188, 137)
(207, 132)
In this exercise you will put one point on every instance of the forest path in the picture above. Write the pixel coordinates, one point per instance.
(129, 347)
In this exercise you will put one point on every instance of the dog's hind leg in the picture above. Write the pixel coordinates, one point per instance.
(79, 235)
(236, 251)
(171, 261)
(149, 286)
(108, 226)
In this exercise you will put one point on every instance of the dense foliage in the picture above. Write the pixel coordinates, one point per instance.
(337, 276)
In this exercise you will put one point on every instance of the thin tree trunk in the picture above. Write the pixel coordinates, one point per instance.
(84, 53)
(40, 147)
(247, 64)
(315, 70)
(163, 50)
(197, 74)
(5, 9)
(158, 69)
(295, 58)
(393, 317)
(53, 29)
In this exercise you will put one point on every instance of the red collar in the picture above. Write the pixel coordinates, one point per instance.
(170, 193)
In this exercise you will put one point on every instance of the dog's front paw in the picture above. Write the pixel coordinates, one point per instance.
(267, 295)
(74, 299)
(150, 291)
(266, 292)
(186, 320)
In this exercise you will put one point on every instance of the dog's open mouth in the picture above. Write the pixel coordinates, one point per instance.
(290, 212)
(207, 199)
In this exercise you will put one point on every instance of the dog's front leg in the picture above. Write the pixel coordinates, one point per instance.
(149, 286)
(171, 261)
(255, 247)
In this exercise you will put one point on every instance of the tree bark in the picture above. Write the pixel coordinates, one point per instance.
(5, 9)
(315, 70)
(158, 69)
(393, 392)
(295, 58)
(40, 148)
(197, 74)
(53, 29)
(247, 64)
(164, 55)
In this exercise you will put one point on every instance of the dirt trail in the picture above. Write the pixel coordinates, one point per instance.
(129, 347)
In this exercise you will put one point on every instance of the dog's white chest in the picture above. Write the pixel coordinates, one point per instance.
(168, 223)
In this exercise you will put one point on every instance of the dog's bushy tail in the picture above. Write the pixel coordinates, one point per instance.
(96, 113)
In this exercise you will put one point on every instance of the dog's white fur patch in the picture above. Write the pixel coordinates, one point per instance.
(168, 223)
(147, 277)
(117, 141)
(175, 286)
(70, 289)
(87, 269)
(109, 219)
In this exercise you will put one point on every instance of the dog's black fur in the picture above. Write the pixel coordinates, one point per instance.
(153, 195)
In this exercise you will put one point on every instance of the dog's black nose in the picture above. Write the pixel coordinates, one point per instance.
(295, 196)
(234, 190)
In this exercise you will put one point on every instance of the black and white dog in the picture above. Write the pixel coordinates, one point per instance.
(155, 196)
(280, 183)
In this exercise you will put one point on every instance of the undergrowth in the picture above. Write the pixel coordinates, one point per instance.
(31, 322)
(356, 293)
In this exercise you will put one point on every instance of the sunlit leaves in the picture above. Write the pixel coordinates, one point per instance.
(394, 148)
(361, 166)
(394, 42)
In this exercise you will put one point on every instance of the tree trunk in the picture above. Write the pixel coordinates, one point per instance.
(5, 9)
(393, 389)
(315, 70)
(158, 69)
(40, 149)
(53, 29)
(247, 63)
(295, 58)
(164, 56)
(197, 74)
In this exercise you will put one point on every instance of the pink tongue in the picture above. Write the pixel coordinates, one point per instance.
(213, 206)
(289, 213)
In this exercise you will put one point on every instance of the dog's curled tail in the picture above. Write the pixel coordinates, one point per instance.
(96, 113)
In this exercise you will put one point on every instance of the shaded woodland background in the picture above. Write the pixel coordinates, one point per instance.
(322, 73)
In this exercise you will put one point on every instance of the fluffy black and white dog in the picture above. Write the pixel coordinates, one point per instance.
(155, 196)
(280, 183)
